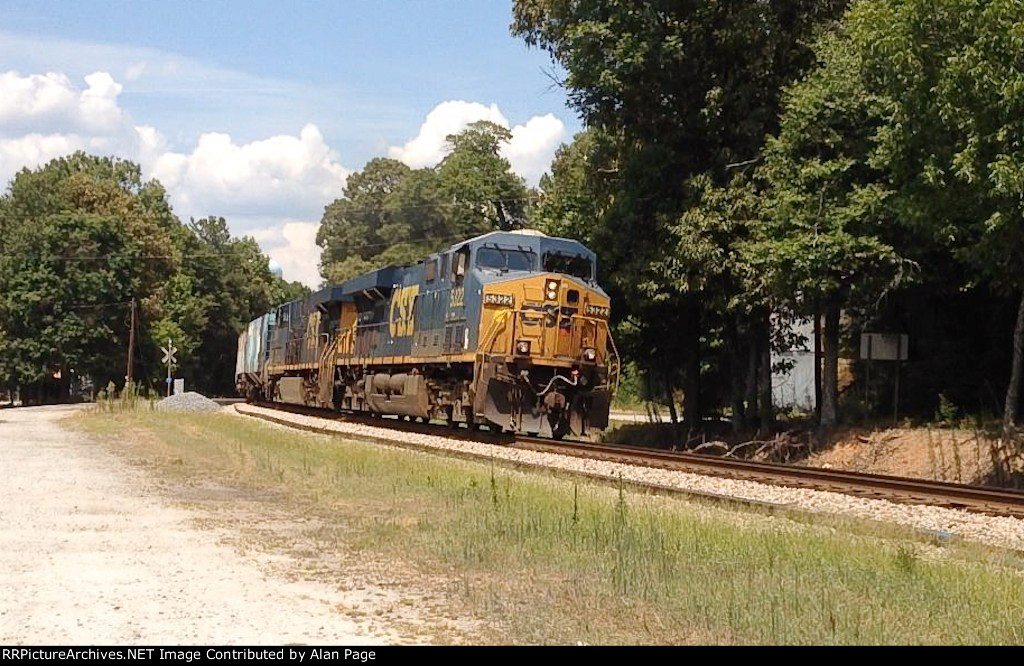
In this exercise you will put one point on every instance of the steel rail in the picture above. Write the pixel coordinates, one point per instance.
(905, 490)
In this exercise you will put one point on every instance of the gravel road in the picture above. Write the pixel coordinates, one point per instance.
(90, 555)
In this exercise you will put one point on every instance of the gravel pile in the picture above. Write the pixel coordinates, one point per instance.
(1003, 532)
(189, 401)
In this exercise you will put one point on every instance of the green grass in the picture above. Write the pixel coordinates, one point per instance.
(547, 560)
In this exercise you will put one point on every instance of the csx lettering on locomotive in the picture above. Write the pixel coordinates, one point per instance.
(402, 303)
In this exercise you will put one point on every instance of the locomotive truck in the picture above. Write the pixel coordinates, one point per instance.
(508, 330)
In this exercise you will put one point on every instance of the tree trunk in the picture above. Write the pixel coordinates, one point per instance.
(766, 406)
(734, 358)
(503, 224)
(751, 381)
(692, 412)
(676, 430)
(817, 363)
(1012, 405)
(830, 372)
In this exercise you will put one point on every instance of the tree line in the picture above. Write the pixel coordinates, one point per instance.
(745, 164)
(84, 236)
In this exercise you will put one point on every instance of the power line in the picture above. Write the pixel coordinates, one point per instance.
(453, 238)
(360, 209)
(87, 306)
(388, 209)
(425, 240)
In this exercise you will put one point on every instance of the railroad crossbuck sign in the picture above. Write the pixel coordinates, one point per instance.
(169, 351)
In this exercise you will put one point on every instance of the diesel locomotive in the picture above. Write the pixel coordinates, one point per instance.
(508, 330)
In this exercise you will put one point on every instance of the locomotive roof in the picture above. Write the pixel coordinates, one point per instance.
(385, 278)
(382, 278)
(528, 239)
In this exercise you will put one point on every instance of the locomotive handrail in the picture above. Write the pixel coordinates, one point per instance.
(328, 363)
(498, 323)
(331, 347)
(490, 335)
(346, 341)
(612, 359)
(615, 362)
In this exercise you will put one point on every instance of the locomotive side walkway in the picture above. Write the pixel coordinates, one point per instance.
(92, 555)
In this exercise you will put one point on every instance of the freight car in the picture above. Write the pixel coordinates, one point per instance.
(508, 330)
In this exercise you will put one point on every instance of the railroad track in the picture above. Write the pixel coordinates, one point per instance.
(977, 499)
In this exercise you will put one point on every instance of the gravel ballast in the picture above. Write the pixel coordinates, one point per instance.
(189, 401)
(1003, 532)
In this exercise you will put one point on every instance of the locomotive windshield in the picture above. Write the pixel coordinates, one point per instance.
(568, 264)
(505, 260)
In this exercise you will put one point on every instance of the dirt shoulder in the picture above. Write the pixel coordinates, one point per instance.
(960, 455)
(95, 553)
(943, 454)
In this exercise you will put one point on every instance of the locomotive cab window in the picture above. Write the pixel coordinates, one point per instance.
(459, 265)
(568, 264)
(430, 270)
(504, 260)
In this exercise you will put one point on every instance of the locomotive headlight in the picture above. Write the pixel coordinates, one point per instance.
(589, 354)
(523, 347)
(552, 290)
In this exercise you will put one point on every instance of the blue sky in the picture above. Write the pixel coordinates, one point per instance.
(258, 110)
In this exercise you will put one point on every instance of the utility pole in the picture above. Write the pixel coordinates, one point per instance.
(131, 347)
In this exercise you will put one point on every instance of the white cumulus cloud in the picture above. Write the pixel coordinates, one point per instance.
(293, 246)
(50, 103)
(427, 148)
(282, 175)
(529, 152)
(533, 146)
(34, 149)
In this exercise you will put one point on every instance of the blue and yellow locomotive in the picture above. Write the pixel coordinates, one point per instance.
(508, 330)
